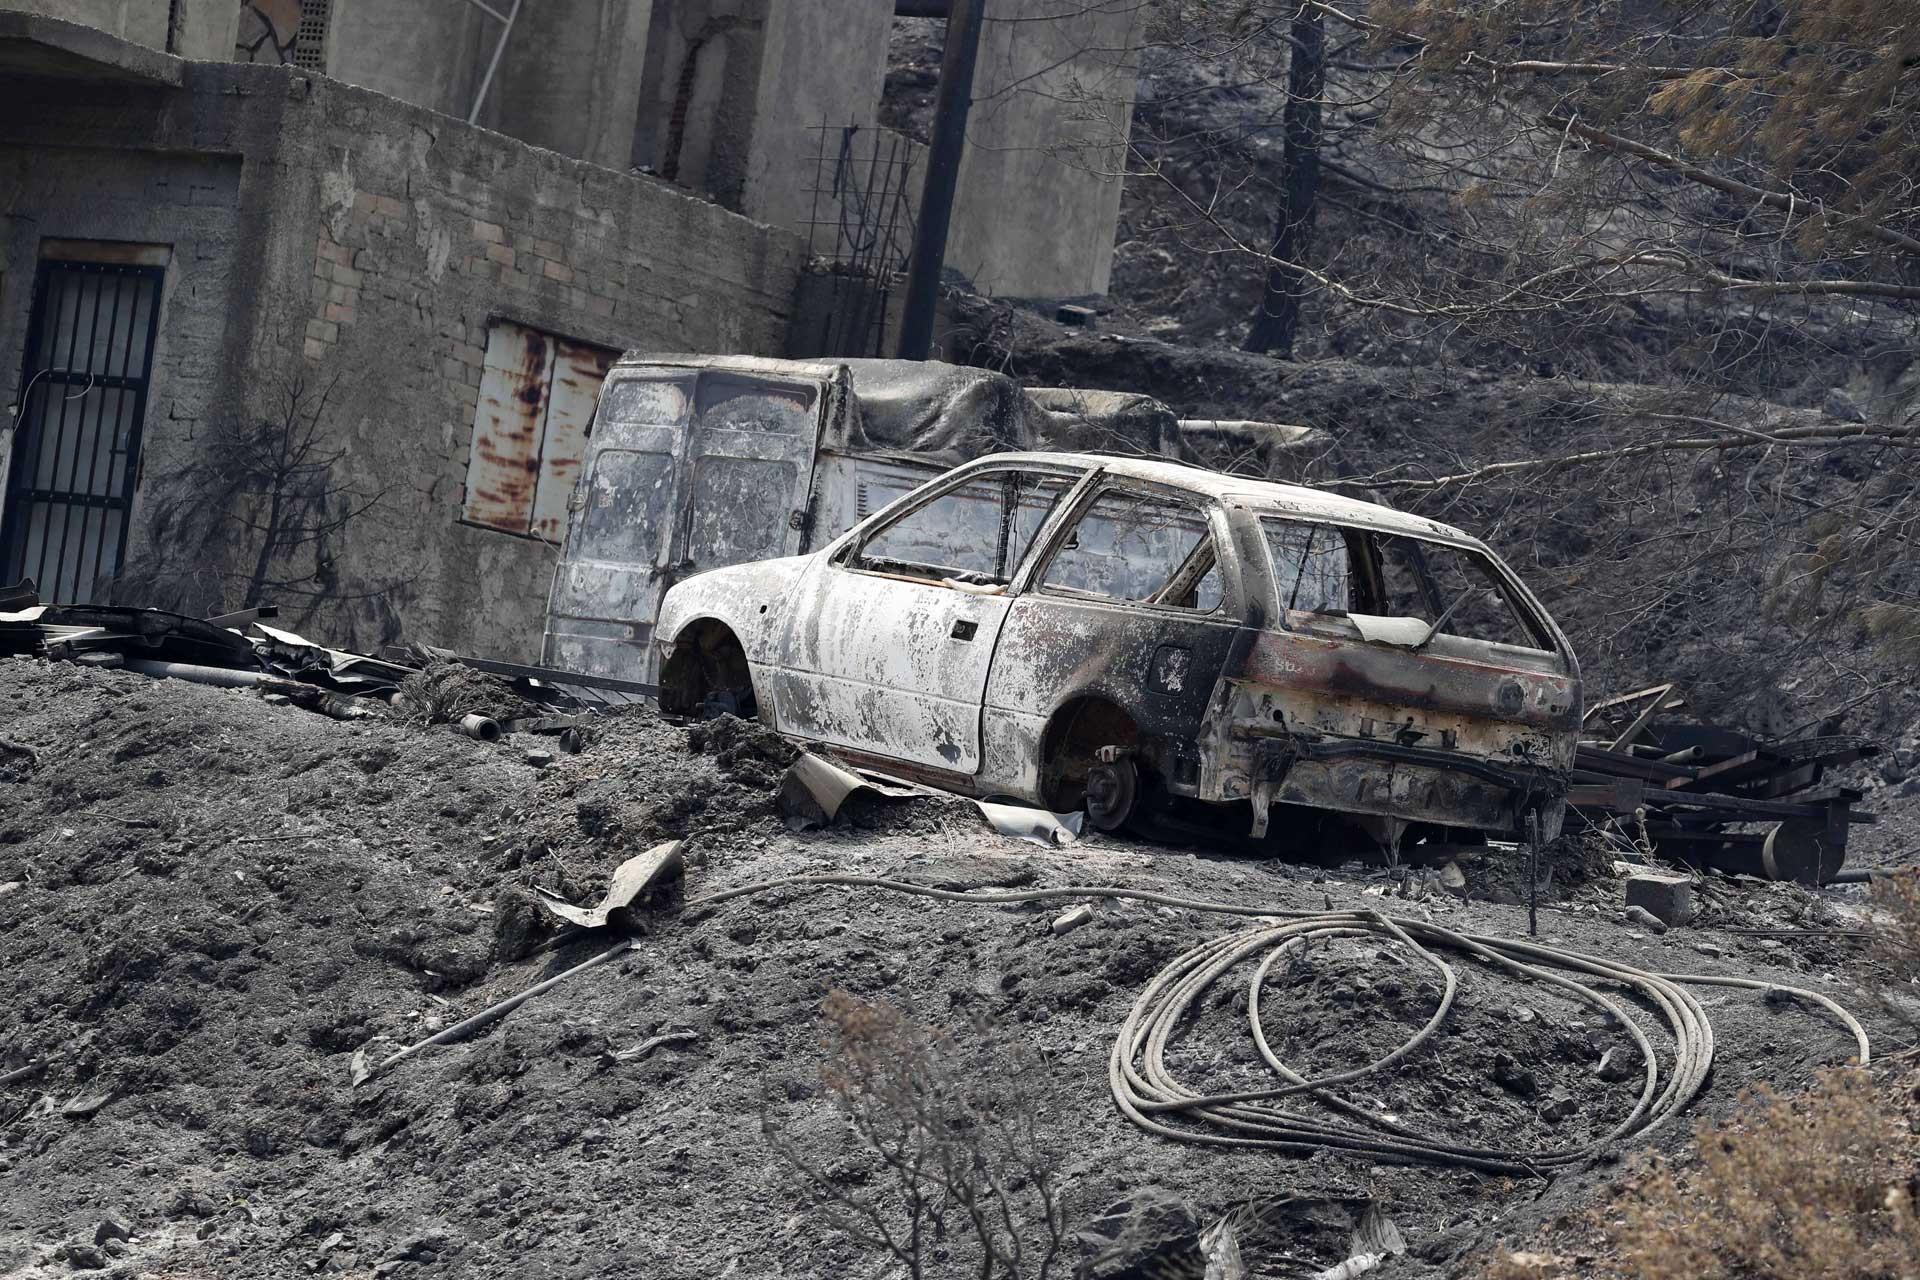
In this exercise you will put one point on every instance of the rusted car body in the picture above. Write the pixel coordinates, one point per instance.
(1140, 636)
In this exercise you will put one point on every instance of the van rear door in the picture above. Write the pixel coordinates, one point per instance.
(686, 470)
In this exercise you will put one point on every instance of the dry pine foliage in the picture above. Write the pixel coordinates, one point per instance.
(1814, 1186)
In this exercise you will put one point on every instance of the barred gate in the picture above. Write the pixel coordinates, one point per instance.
(76, 447)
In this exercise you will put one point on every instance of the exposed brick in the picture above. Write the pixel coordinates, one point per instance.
(339, 313)
(549, 248)
(316, 349)
(467, 395)
(347, 276)
(340, 293)
(501, 254)
(324, 330)
(556, 271)
(333, 252)
(492, 232)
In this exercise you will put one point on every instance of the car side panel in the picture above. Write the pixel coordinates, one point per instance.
(1159, 665)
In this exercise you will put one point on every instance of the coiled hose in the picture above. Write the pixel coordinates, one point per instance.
(1146, 1090)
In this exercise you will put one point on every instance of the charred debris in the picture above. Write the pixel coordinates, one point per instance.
(1660, 785)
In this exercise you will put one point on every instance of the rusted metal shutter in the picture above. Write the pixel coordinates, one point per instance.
(578, 371)
(503, 468)
(537, 394)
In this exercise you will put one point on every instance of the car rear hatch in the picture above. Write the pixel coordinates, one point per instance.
(1358, 702)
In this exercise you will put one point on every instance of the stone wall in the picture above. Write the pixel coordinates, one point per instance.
(327, 237)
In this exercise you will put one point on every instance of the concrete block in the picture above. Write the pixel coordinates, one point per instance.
(1068, 921)
(1668, 897)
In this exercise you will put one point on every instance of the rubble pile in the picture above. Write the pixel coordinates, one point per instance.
(211, 903)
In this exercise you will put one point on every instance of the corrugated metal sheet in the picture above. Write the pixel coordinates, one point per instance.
(537, 394)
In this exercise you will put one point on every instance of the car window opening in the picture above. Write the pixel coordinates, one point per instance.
(972, 537)
(1385, 582)
(1139, 549)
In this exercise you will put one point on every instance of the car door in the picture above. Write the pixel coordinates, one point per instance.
(889, 641)
(1131, 605)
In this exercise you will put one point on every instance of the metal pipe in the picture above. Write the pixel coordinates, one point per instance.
(493, 63)
(485, 728)
(220, 677)
(952, 100)
(491, 1014)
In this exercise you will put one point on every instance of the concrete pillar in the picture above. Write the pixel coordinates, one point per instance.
(427, 52)
(570, 78)
(204, 29)
(824, 64)
(700, 94)
(1053, 100)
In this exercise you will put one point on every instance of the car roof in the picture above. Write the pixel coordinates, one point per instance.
(1259, 496)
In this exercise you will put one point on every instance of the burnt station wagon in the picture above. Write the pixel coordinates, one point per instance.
(1144, 638)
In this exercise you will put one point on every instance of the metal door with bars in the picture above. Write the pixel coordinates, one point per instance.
(76, 450)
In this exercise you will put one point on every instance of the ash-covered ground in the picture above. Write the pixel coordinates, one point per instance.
(211, 903)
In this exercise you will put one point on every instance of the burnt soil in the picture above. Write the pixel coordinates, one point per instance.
(211, 903)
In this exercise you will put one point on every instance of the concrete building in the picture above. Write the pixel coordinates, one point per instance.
(734, 100)
(199, 257)
(217, 255)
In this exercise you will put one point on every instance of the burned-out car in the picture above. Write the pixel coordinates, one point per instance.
(1142, 637)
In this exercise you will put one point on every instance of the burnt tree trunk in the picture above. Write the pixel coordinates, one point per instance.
(1279, 315)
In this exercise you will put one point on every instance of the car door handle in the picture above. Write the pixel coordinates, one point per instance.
(963, 629)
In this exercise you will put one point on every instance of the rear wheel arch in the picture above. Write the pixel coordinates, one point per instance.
(707, 672)
(1078, 728)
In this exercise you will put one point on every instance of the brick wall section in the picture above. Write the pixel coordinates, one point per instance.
(424, 232)
(328, 234)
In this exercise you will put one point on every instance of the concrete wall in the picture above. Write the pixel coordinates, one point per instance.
(331, 236)
(204, 28)
(1036, 209)
(822, 64)
(568, 79)
(700, 94)
(429, 54)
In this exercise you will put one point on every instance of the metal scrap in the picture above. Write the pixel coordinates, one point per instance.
(1681, 786)
(814, 790)
(641, 874)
